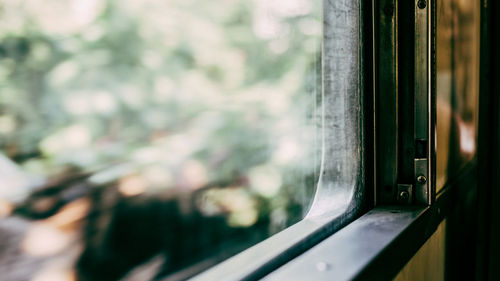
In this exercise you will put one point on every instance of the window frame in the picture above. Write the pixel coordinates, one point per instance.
(380, 243)
(377, 245)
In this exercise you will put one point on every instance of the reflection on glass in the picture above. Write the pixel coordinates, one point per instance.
(147, 137)
(457, 85)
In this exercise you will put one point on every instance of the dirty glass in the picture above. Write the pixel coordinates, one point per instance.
(143, 139)
(457, 86)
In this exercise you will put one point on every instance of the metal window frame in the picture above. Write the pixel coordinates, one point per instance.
(378, 244)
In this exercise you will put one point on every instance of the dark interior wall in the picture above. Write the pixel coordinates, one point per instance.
(461, 228)
(473, 247)
(488, 216)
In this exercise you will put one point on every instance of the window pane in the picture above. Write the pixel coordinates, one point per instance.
(457, 85)
(165, 134)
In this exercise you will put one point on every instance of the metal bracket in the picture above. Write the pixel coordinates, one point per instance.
(421, 182)
(405, 193)
(422, 100)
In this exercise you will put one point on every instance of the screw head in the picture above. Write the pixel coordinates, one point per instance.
(404, 195)
(421, 4)
(323, 266)
(421, 179)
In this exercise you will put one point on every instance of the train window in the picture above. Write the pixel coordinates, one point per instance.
(237, 140)
(165, 136)
(341, 194)
(457, 86)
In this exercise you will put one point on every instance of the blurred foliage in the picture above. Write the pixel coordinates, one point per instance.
(161, 94)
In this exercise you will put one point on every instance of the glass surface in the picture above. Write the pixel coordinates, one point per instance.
(341, 193)
(457, 86)
(145, 138)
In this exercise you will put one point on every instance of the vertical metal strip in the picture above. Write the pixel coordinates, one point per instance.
(386, 99)
(422, 102)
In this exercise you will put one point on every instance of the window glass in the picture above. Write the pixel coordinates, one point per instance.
(342, 191)
(457, 85)
(153, 137)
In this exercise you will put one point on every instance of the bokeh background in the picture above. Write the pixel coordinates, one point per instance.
(137, 133)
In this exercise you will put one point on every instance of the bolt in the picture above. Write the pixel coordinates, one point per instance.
(404, 195)
(323, 266)
(421, 4)
(421, 179)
